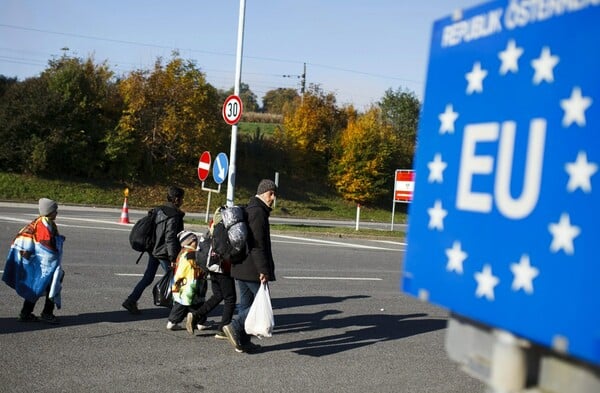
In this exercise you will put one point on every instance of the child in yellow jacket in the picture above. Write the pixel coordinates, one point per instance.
(189, 281)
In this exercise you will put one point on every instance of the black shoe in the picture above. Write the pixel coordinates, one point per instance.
(28, 318)
(220, 335)
(49, 318)
(131, 306)
(232, 337)
(251, 348)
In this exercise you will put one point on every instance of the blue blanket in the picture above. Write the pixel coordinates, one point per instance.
(31, 277)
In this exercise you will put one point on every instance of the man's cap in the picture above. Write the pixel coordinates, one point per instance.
(266, 185)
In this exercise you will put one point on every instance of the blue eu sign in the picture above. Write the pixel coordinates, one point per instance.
(503, 228)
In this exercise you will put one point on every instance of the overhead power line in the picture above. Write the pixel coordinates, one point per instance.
(127, 42)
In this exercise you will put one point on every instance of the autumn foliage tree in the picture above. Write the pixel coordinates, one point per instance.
(309, 131)
(170, 113)
(363, 158)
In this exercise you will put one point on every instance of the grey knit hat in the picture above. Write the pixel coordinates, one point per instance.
(47, 206)
(186, 237)
(266, 185)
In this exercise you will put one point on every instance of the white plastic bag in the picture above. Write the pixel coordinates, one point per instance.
(260, 321)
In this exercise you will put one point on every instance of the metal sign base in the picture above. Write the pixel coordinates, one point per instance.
(210, 191)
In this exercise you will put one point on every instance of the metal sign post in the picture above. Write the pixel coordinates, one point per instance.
(236, 89)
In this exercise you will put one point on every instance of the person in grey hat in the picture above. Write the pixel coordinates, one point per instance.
(37, 251)
(258, 267)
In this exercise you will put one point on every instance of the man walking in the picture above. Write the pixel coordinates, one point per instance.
(168, 223)
(258, 267)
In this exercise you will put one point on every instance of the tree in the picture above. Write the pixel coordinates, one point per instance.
(278, 100)
(249, 100)
(23, 117)
(87, 107)
(169, 114)
(400, 109)
(5, 83)
(54, 123)
(360, 168)
(310, 129)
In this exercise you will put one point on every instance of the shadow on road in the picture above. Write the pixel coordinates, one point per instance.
(12, 325)
(289, 302)
(357, 331)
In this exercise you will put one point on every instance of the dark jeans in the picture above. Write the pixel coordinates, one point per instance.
(248, 290)
(148, 277)
(179, 312)
(29, 306)
(223, 288)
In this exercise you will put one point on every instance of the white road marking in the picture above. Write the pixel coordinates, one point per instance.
(303, 240)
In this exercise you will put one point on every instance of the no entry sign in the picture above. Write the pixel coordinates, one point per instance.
(204, 166)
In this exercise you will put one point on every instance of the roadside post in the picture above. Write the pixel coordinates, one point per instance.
(230, 113)
(503, 226)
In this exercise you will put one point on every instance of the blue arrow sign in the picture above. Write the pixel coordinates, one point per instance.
(220, 168)
(503, 225)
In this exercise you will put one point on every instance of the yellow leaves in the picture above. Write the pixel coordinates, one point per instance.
(172, 110)
(364, 158)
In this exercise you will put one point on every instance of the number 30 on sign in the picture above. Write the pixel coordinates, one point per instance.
(232, 109)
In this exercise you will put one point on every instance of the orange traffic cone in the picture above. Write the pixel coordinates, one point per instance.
(124, 213)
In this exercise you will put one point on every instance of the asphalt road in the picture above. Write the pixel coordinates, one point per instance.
(342, 324)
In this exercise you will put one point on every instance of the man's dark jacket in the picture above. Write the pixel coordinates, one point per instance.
(260, 257)
(169, 222)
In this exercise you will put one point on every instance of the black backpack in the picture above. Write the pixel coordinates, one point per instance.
(142, 235)
(228, 242)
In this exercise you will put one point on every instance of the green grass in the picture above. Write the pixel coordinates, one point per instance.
(249, 128)
(23, 188)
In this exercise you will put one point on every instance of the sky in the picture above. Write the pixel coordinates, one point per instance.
(356, 49)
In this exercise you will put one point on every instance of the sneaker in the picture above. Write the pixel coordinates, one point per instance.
(131, 306)
(28, 318)
(201, 326)
(189, 323)
(49, 318)
(220, 335)
(173, 326)
(232, 337)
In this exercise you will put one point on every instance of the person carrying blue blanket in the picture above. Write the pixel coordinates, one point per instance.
(33, 265)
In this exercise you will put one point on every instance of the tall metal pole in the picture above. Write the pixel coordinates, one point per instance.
(236, 91)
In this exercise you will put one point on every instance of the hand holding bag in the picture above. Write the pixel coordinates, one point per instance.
(260, 321)
(162, 291)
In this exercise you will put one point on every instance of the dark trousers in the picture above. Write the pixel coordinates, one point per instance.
(29, 306)
(223, 288)
(148, 278)
(179, 312)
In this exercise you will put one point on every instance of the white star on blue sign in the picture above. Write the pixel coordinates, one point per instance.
(503, 225)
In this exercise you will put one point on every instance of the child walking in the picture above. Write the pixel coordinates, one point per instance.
(189, 282)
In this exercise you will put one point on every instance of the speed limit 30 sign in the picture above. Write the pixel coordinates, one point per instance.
(232, 109)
